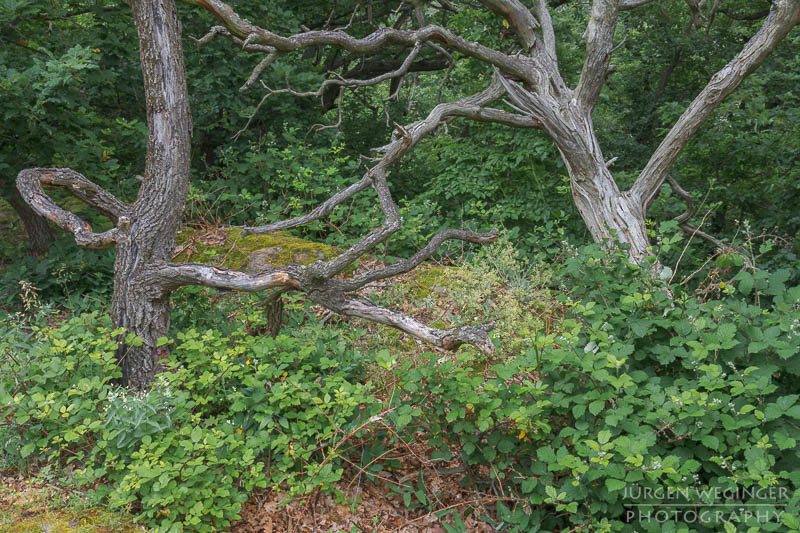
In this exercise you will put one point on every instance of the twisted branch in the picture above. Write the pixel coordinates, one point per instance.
(29, 183)
(251, 35)
(689, 229)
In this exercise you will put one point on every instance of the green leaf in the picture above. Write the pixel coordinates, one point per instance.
(711, 441)
(546, 454)
(506, 446)
(785, 402)
(640, 328)
(746, 282)
(615, 484)
(790, 520)
(783, 441)
(28, 449)
(596, 406)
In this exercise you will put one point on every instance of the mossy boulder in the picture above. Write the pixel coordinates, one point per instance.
(226, 247)
(425, 281)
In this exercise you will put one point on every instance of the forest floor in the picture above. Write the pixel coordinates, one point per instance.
(35, 505)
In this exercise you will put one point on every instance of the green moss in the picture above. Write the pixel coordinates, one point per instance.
(425, 281)
(27, 507)
(66, 522)
(234, 252)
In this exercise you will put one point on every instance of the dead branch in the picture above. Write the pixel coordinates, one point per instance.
(689, 229)
(29, 184)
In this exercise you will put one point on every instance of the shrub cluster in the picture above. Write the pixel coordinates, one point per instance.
(185, 454)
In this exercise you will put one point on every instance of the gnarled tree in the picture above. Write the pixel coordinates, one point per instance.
(144, 232)
(527, 73)
(531, 76)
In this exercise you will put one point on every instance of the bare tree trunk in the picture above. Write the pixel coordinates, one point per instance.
(138, 305)
(40, 236)
(274, 312)
(608, 212)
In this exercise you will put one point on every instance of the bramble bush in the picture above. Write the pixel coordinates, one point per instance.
(637, 391)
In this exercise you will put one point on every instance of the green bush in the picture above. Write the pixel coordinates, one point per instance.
(638, 392)
(185, 454)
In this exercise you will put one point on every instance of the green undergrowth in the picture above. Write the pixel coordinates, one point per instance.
(631, 395)
(496, 285)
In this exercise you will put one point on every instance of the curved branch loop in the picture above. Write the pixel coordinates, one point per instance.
(29, 183)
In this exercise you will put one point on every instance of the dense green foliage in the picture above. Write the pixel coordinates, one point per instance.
(187, 452)
(633, 391)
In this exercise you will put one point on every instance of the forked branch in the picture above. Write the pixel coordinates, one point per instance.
(333, 294)
(30, 182)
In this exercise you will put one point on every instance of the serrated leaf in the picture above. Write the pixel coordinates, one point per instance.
(711, 441)
(746, 282)
(596, 406)
(615, 484)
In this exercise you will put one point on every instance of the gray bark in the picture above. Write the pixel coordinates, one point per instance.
(138, 305)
